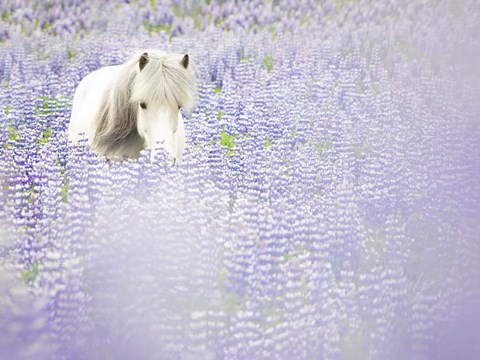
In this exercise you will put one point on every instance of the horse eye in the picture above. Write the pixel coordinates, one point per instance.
(143, 105)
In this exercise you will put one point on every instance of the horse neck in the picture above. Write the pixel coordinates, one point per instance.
(117, 115)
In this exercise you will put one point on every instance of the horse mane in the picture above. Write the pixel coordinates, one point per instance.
(162, 79)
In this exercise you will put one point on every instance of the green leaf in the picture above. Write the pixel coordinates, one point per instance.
(156, 28)
(268, 62)
(12, 135)
(318, 193)
(176, 10)
(268, 143)
(219, 21)
(46, 26)
(242, 55)
(287, 257)
(48, 106)
(46, 134)
(227, 140)
(6, 15)
(65, 186)
(230, 303)
(31, 273)
(361, 150)
(320, 147)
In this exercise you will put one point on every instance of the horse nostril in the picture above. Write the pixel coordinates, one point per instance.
(143, 105)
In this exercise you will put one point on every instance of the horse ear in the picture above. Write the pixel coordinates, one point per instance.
(143, 61)
(185, 61)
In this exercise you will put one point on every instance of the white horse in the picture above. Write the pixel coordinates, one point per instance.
(122, 109)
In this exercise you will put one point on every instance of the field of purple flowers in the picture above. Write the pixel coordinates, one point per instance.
(327, 207)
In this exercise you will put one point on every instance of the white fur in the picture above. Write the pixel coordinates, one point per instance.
(163, 84)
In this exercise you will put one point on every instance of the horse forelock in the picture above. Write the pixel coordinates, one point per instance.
(164, 79)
